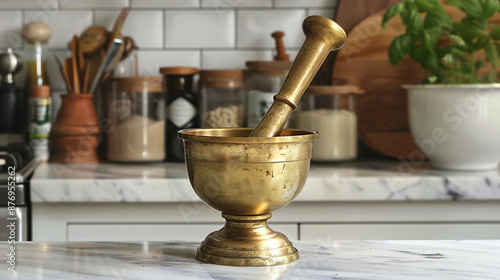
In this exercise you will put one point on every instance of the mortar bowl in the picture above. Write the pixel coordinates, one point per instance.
(247, 178)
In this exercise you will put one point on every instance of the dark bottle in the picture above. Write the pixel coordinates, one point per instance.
(11, 105)
(182, 107)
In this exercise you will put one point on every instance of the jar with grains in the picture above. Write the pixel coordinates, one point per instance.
(223, 98)
(136, 113)
(263, 81)
(331, 110)
(182, 107)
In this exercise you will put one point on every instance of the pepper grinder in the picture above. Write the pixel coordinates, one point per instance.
(11, 106)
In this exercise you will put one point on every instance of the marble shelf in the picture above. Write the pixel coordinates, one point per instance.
(319, 260)
(353, 181)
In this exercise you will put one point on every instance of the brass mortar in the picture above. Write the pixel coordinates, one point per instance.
(247, 178)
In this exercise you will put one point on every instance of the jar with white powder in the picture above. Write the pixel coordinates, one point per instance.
(331, 110)
(136, 115)
(263, 81)
(222, 98)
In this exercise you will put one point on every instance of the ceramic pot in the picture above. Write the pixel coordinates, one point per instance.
(75, 133)
(456, 126)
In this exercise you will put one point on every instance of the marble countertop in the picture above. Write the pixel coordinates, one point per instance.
(353, 181)
(322, 260)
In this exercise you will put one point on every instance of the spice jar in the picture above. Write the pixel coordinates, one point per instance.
(331, 110)
(136, 111)
(223, 98)
(264, 80)
(182, 107)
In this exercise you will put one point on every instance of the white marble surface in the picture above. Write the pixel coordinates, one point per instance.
(354, 181)
(322, 260)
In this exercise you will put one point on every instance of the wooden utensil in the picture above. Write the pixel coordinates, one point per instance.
(63, 73)
(117, 28)
(67, 69)
(74, 65)
(93, 39)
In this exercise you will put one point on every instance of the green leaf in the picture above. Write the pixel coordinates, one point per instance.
(398, 49)
(495, 32)
(488, 8)
(391, 12)
(480, 43)
(431, 64)
(418, 52)
(437, 17)
(477, 9)
(413, 21)
(492, 55)
(467, 30)
(427, 5)
(431, 38)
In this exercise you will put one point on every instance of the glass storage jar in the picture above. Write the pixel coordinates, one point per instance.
(331, 110)
(136, 113)
(264, 80)
(182, 107)
(223, 98)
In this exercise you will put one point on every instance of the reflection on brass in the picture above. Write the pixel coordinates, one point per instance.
(247, 178)
(322, 36)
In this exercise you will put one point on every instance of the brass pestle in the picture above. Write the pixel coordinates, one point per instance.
(322, 36)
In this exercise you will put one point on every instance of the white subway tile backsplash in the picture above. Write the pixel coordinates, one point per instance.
(145, 27)
(200, 29)
(93, 3)
(31, 4)
(255, 27)
(64, 24)
(232, 59)
(321, 12)
(209, 34)
(151, 61)
(165, 3)
(305, 3)
(236, 3)
(10, 31)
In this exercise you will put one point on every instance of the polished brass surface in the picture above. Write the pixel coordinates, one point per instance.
(247, 178)
(322, 36)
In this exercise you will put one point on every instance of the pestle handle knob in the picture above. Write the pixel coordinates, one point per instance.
(280, 47)
(322, 36)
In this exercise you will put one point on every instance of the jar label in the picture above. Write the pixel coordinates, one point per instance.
(180, 112)
(258, 104)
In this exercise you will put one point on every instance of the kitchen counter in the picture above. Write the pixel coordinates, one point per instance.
(319, 260)
(354, 181)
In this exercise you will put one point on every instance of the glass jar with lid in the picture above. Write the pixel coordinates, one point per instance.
(136, 111)
(331, 110)
(223, 98)
(182, 107)
(264, 80)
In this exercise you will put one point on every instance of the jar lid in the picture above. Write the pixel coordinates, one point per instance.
(135, 84)
(179, 70)
(270, 68)
(40, 91)
(331, 90)
(229, 78)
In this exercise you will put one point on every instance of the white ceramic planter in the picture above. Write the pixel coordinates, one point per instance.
(456, 126)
